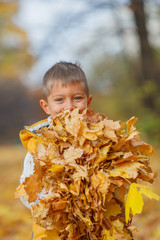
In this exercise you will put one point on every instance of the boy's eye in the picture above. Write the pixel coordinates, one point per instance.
(59, 99)
(78, 98)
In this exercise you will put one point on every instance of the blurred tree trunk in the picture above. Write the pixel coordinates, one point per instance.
(150, 80)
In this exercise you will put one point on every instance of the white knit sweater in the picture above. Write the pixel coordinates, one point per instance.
(28, 169)
(28, 166)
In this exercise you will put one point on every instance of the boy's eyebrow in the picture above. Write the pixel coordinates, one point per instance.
(62, 94)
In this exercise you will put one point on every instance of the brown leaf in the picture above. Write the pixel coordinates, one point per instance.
(33, 184)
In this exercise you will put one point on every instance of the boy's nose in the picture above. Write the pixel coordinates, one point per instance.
(69, 105)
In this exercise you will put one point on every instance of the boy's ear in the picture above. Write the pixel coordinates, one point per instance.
(89, 100)
(44, 106)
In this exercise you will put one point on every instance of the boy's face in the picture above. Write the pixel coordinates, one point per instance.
(65, 97)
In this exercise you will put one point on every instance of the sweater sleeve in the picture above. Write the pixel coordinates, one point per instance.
(28, 169)
(27, 135)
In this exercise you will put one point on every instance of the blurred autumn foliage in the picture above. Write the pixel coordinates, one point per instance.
(17, 104)
(15, 58)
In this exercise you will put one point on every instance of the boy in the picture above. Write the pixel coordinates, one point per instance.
(64, 88)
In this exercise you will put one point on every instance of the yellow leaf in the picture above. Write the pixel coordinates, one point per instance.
(114, 155)
(107, 236)
(88, 149)
(86, 219)
(146, 191)
(101, 182)
(130, 124)
(134, 202)
(110, 133)
(29, 140)
(112, 124)
(126, 170)
(41, 149)
(59, 205)
(142, 147)
(52, 235)
(118, 225)
(90, 135)
(102, 154)
(131, 129)
(38, 232)
(96, 126)
(20, 192)
(72, 153)
(112, 209)
(73, 123)
(99, 179)
(56, 168)
(110, 128)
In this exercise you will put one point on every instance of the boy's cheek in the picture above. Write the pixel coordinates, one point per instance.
(82, 107)
(54, 110)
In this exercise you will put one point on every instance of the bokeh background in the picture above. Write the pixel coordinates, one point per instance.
(117, 44)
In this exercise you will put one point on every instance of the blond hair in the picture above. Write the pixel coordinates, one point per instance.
(64, 72)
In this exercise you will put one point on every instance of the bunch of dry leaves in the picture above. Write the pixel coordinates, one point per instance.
(91, 173)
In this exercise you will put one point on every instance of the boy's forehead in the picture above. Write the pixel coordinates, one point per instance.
(73, 85)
